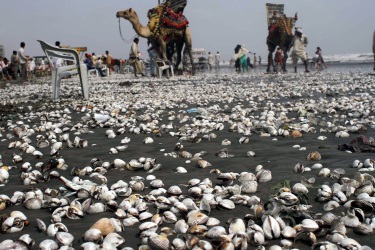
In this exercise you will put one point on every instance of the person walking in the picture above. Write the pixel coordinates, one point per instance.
(14, 64)
(108, 61)
(319, 63)
(279, 58)
(31, 66)
(217, 60)
(299, 43)
(134, 57)
(22, 61)
(243, 61)
(210, 60)
(255, 60)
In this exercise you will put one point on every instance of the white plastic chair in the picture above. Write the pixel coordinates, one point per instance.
(57, 73)
(106, 70)
(162, 65)
(91, 71)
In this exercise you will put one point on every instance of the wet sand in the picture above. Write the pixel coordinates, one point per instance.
(275, 153)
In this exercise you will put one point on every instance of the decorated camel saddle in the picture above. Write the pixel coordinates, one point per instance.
(167, 19)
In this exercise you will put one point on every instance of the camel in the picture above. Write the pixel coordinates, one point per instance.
(167, 38)
(280, 34)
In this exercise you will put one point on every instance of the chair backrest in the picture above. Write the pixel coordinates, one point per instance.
(56, 52)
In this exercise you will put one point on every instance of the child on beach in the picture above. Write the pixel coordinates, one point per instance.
(279, 58)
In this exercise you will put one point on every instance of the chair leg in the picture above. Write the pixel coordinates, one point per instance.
(83, 80)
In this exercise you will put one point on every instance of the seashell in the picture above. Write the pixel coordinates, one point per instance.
(299, 168)
(249, 187)
(181, 227)
(48, 245)
(324, 172)
(93, 235)
(357, 164)
(64, 238)
(288, 232)
(157, 183)
(185, 154)
(296, 134)
(331, 205)
(137, 186)
(264, 175)
(364, 229)
(227, 204)
(203, 163)
(342, 134)
(174, 190)
(33, 203)
(317, 166)
(287, 198)
(369, 163)
(314, 156)
(41, 225)
(348, 243)
(196, 218)
(236, 225)
(118, 163)
(127, 222)
(104, 225)
(148, 140)
(244, 140)
(306, 236)
(351, 220)
(169, 217)
(112, 241)
(299, 188)
(271, 228)
(226, 142)
(309, 225)
(181, 170)
(215, 232)
(159, 242)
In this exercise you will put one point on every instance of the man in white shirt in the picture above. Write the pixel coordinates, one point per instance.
(217, 60)
(22, 61)
(134, 57)
(300, 41)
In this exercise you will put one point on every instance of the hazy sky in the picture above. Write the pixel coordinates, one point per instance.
(337, 26)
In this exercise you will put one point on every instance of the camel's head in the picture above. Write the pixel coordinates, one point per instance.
(127, 14)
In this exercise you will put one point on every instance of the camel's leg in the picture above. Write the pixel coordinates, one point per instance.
(285, 58)
(163, 49)
(189, 47)
(270, 62)
(179, 46)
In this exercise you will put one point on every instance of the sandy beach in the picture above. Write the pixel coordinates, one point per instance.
(199, 112)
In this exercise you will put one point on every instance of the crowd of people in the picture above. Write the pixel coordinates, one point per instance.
(21, 67)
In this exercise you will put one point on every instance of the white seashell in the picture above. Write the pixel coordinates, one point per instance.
(317, 166)
(148, 140)
(271, 228)
(357, 164)
(226, 142)
(250, 154)
(342, 134)
(113, 151)
(324, 172)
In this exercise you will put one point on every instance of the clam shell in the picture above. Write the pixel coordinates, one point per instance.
(314, 156)
(104, 225)
(33, 203)
(159, 242)
(196, 218)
